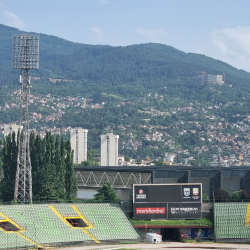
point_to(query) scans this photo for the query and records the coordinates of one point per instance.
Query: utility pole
(25, 56)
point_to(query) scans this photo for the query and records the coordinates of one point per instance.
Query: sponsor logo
(141, 195)
(195, 191)
(186, 191)
(150, 210)
(184, 210)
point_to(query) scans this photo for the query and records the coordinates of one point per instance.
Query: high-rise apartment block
(10, 129)
(109, 150)
(78, 140)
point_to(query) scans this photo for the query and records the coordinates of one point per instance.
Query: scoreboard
(167, 201)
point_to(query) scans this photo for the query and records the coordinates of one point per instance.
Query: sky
(219, 29)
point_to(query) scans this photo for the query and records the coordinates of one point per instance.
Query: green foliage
(1, 154)
(106, 193)
(200, 163)
(122, 72)
(91, 161)
(48, 192)
(205, 198)
(222, 195)
(127, 158)
(236, 195)
(70, 179)
(9, 167)
(198, 222)
(159, 163)
(239, 195)
(53, 175)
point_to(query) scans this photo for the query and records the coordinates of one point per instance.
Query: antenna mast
(25, 56)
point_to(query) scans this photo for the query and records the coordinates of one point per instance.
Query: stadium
(41, 226)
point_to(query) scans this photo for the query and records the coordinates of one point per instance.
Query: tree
(106, 193)
(91, 161)
(159, 163)
(52, 163)
(48, 192)
(222, 195)
(1, 154)
(9, 167)
(35, 163)
(48, 171)
(236, 195)
(60, 168)
(127, 158)
(205, 198)
(239, 195)
(70, 178)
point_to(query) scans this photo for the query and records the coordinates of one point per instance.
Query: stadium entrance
(171, 234)
(76, 222)
(8, 226)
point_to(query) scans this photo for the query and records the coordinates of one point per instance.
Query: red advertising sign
(150, 210)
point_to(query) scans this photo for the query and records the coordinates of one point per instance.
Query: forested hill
(148, 63)
(145, 93)
(116, 70)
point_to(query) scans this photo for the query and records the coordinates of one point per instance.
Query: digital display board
(163, 201)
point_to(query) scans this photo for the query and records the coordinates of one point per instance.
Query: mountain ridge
(126, 71)
(59, 49)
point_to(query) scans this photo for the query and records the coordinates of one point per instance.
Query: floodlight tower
(25, 56)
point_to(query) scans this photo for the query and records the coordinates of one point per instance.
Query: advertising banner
(150, 211)
(163, 201)
(184, 210)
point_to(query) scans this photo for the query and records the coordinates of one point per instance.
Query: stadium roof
(150, 169)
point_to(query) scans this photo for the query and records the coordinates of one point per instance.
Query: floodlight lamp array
(25, 53)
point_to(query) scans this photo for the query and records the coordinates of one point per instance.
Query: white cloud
(153, 34)
(13, 20)
(98, 31)
(232, 42)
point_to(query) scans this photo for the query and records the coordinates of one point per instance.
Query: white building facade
(10, 129)
(79, 140)
(109, 150)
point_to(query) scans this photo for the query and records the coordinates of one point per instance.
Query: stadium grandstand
(42, 226)
(54, 225)
(232, 222)
(231, 219)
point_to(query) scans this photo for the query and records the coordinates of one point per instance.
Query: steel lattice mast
(25, 56)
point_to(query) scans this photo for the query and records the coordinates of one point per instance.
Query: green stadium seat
(229, 221)
(46, 224)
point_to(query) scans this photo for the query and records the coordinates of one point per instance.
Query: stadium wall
(123, 178)
(212, 180)
(179, 233)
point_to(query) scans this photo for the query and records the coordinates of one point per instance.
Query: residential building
(11, 128)
(78, 140)
(109, 150)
